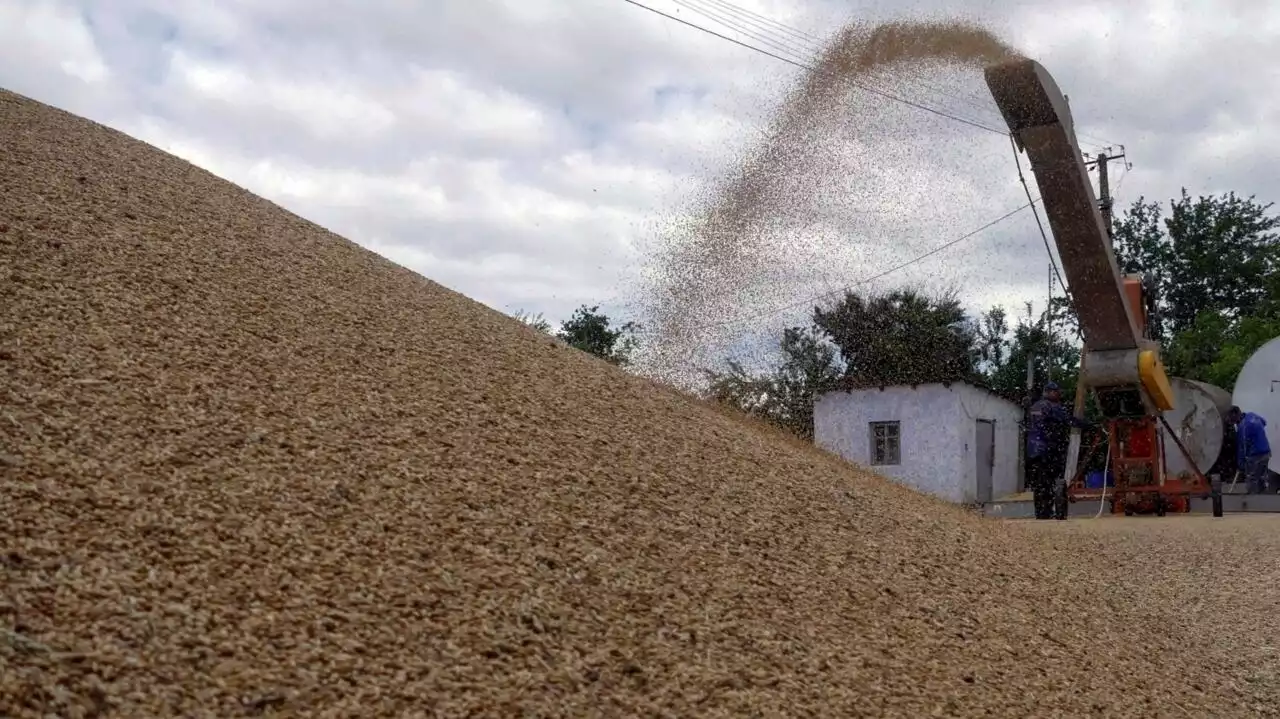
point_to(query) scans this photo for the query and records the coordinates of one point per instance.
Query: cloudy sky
(532, 154)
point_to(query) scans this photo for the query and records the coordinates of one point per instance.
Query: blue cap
(1050, 386)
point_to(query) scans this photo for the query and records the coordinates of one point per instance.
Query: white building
(958, 442)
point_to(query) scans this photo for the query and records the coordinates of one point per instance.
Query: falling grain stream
(733, 238)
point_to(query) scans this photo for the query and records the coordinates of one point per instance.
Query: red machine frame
(1137, 455)
(1142, 484)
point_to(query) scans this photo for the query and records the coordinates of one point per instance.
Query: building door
(985, 446)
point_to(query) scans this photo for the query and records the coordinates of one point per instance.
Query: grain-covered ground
(250, 468)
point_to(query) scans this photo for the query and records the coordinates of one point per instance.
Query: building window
(886, 445)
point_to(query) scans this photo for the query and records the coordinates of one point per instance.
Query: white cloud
(325, 108)
(60, 36)
(446, 100)
(52, 47)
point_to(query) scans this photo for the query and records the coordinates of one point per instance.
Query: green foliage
(1213, 264)
(902, 337)
(589, 330)
(1048, 342)
(810, 365)
(1212, 254)
(1215, 347)
(991, 348)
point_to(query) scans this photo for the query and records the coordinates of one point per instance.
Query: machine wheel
(1217, 504)
(1128, 511)
(1161, 506)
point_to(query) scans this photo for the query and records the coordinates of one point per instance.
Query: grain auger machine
(1120, 364)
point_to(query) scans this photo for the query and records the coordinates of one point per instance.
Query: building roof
(849, 385)
(846, 386)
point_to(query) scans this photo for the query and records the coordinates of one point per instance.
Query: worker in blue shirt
(1048, 434)
(1253, 451)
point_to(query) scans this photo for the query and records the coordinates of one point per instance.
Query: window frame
(891, 441)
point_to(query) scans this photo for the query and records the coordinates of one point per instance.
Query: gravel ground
(249, 468)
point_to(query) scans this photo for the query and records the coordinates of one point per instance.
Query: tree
(1048, 341)
(992, 340)
(538, 322)
(1215, 348)
(589, 330)
(902, 337)
(1212, 254)
(785, 396)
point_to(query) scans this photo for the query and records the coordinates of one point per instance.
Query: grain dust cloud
(710, 266)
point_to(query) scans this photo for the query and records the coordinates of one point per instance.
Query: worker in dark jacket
(1048, 436)
(1253, 451)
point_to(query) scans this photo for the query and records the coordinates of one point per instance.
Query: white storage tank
(1198, 418)
(1258, 390)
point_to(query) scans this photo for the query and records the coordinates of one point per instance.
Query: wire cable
(1043, 235)
(811, 68)
(811, 45)
(757, 19)
(739, 24)
(1106, 468)
(768, 21)
(1123, 176)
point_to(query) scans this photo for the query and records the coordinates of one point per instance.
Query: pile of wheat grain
(251, 468)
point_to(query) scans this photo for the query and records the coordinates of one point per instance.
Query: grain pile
(715, 266)
(250, 468)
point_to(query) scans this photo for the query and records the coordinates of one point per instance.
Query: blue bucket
(1093, 480)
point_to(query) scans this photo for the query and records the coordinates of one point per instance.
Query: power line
(739, 24)
(807, 43)
(1043, 235)
(794, 32)
(810, 68)
(1127, 168)
(880, 275)
(763, 22)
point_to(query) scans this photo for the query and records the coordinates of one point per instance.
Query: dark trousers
(1255, 474)
(1044, 473)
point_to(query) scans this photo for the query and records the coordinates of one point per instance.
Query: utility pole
(1105, 201)
(1105, 204)
(1104, 192)
(1026, 417)
(1026, 408)
(1048, 328)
